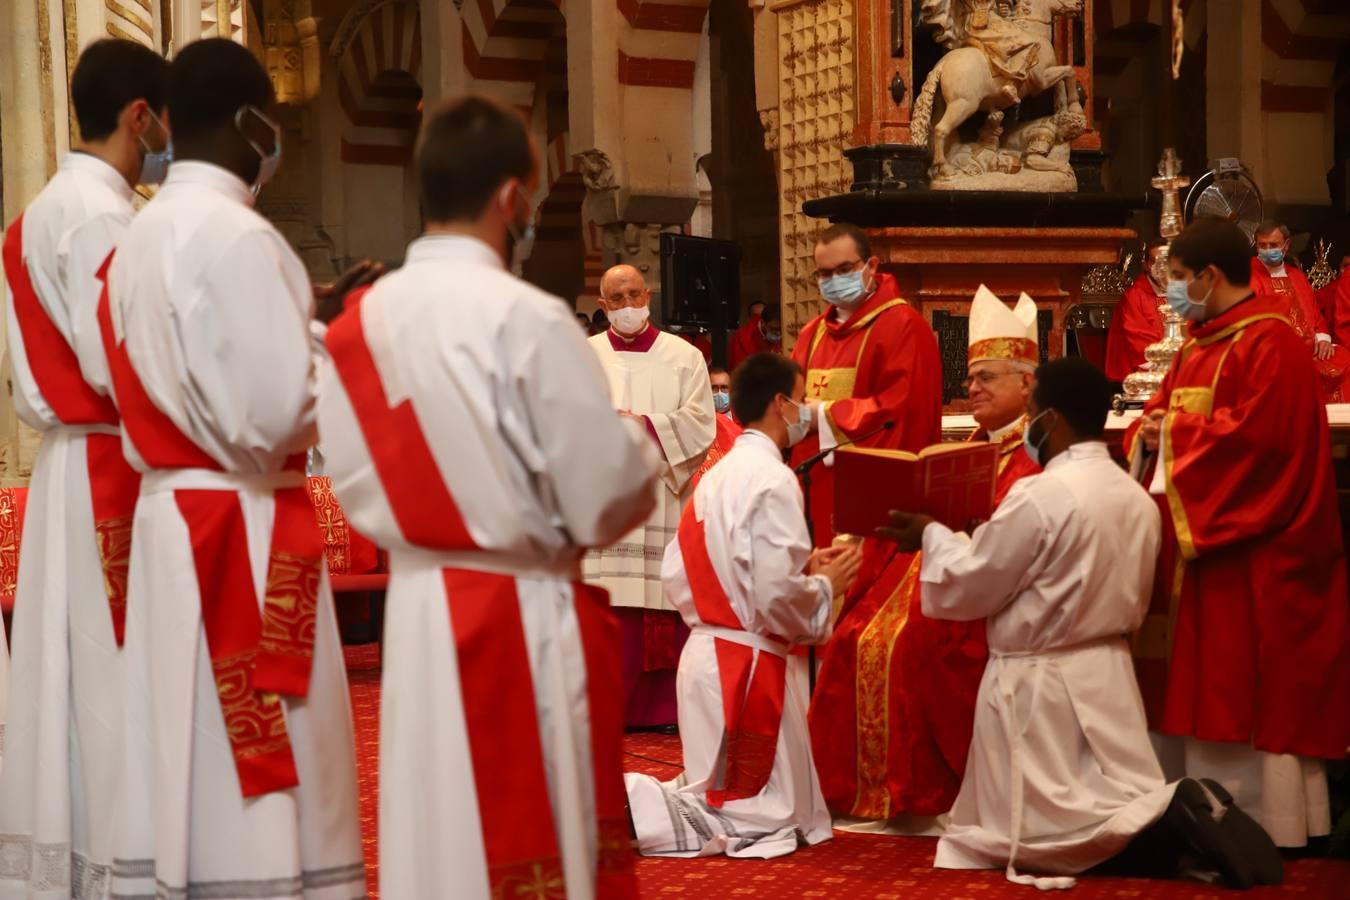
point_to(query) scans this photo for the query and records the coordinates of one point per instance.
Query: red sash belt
(113, 488)
(256, 655)
(500, 711)
(113, 485)
(753, 684)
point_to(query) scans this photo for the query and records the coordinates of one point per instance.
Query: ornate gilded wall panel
(815, 124)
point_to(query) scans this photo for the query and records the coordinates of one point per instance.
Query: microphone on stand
(803, 469)
(809, 463)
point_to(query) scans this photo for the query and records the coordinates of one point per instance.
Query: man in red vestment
(895, 700)
(869, 359)
(1258, 680)
(762, 334)
(1285, 284)
(1136, 322)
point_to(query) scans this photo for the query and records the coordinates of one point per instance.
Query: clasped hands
(838, 564)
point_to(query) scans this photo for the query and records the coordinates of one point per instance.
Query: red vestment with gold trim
(1258, 625)
(1294, 292)
(894, 705)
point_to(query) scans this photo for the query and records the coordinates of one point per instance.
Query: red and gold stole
(497, 691)
(753, 684)
(113, 485)
(256, 655)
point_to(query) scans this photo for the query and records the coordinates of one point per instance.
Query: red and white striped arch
(379, 91)
(506, 44)
(659, 41)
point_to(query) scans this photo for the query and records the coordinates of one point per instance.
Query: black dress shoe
(1238, 849)
(1262, 855)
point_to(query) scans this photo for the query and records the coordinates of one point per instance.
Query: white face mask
(270, 161)
(798, 430)
(629, 319)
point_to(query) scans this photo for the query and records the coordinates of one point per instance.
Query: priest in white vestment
(743, 575)
(61, 746)
(239, 776)
(1062, 775)
(661, 382)
(468, 429)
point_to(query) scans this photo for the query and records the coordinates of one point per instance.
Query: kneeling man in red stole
(892, 713)
(742, 573)
(1258, 677)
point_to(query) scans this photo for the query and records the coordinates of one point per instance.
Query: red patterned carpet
(850, 866)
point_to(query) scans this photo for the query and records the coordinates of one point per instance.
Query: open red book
(953, 483)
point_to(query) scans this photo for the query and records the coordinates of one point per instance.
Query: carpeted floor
(854, 867)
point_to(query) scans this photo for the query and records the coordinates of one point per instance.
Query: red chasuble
(747, 341)
(1299, 305)
(1135, 324)
(1258, 626)
(881, 365)
(894, 705)
(1327, 306)
(1334, 300)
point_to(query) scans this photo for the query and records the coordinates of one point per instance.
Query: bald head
(619, 278)
(625, 299)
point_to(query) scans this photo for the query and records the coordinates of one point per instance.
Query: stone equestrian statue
(1000, 52)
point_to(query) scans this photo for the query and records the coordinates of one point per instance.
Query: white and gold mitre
(997, 332)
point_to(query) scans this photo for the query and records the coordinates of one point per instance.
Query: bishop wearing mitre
(661, 382)
(895, 699)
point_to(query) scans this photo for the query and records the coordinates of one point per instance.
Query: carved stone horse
(970, 82)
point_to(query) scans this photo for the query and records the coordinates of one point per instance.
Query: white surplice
(61, 746)
(1061, 774)
(668, 385)
(752, 510)
(214, 307)
(515, 413)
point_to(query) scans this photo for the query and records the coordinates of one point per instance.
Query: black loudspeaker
(701, 287)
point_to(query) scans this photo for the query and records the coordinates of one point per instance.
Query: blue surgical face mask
(1272, 256)
(798, 430)
(1034, 448)
(155, 166)
(843, 290)
(1179, 298)
(722, 401)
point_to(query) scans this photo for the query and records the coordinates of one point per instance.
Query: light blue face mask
(1179, 298)
(843, 290)
(1271, 257)
(1033, 450)
(722, 402)
(155, 166)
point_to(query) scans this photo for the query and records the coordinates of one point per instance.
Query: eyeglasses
(985, 378)
(632, 298)
(841, 269)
